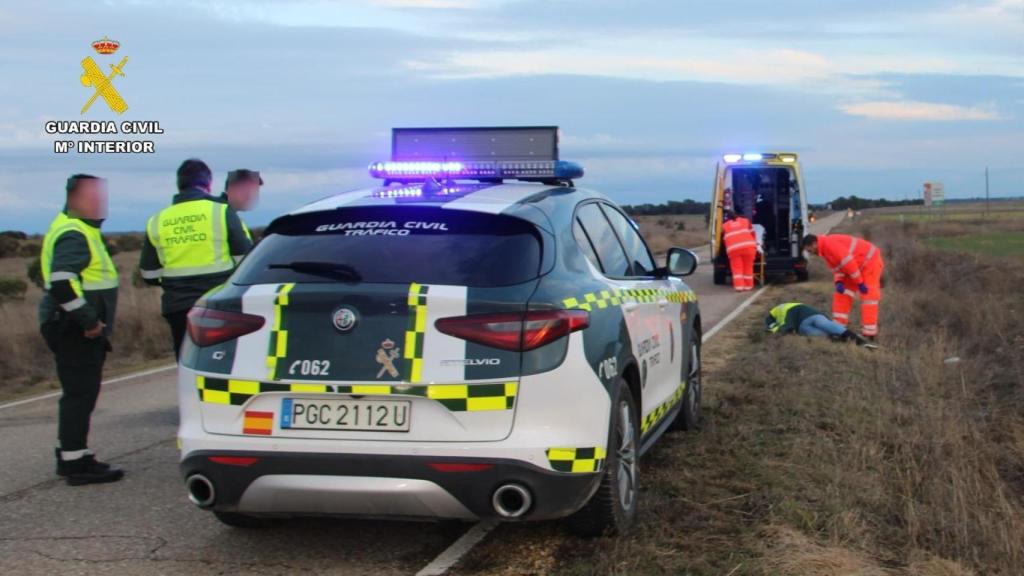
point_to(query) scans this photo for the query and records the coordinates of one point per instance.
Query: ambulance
(768, 189)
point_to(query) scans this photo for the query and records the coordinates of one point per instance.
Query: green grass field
(917, 214)
(998, 244)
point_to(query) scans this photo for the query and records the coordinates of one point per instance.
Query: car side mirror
(681, 262)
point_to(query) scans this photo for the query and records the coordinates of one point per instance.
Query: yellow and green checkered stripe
(576, 459)
(658, 413)
(416, 331)
(278, 347)
(602, 299)
(455, 397)
(237, 392)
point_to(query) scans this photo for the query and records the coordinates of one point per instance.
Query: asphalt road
(145, 525)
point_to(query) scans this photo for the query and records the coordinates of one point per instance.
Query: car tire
(612, 509)
(236, 520)
(689, 412)
(688, 415)
(719, 276)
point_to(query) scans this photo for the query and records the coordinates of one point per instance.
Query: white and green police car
(475, 338)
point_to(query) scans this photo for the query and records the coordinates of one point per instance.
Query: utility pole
(986, 192)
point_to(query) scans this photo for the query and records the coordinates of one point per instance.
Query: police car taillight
(515, 331)
(207, 327)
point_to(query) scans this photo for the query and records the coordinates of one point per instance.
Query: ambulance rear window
(392, 244)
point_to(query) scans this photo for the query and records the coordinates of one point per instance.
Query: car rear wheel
(690, 412)
(719, 276)
(612, 509)
(688, 416)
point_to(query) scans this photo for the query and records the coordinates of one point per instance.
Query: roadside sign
(934, 194)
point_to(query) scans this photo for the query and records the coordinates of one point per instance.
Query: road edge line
(452, 554)
(54, 394)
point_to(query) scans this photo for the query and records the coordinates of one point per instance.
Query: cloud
(436, 4)
(631, 60)
(923, 111)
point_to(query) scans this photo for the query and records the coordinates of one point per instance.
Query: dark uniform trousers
(80, 370)
(178, 321)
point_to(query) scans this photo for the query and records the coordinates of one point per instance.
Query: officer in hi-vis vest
(242, 192)
(191, 246)
(76, 316)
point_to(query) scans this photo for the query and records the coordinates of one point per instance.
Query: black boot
(87, 470)
(62, 467)
(867, 342)
(856, 338)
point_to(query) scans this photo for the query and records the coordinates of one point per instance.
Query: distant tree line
(670, 207)
(856, 203)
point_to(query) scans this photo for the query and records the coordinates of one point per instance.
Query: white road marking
(444, 561)
(732, 315)
(48, 395)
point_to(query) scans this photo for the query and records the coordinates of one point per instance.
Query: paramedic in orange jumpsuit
(856, 267)
(741, 248)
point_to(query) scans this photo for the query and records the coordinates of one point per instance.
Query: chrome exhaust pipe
(512, 500)
(200, 491)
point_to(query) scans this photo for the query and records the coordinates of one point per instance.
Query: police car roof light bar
(485, 153)
(493, 170)
(495, 143)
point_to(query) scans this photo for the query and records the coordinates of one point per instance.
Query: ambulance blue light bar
(481, 170)
(733, 158)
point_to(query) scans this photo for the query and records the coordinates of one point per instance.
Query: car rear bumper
(298, 484)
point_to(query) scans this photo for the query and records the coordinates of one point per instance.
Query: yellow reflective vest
(100, 274)
(191, 238)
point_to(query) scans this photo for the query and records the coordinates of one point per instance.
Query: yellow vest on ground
(100, 274)
(779, 314)
(191, 238)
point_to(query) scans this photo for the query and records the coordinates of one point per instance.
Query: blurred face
(813, 248)
(243, 195)
(89, 200)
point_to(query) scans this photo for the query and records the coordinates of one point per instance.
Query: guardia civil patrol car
(474, 338)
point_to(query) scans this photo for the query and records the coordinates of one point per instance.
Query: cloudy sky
(877, 97)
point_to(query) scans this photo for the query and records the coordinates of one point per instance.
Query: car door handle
(662, 305)
(630, 306)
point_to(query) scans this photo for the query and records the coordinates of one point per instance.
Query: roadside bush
(9, 246)
(12, 289)
(127, 242)
(34, 271)
(16, 234)
(30, 249)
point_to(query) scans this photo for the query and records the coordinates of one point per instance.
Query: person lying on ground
(794, 317)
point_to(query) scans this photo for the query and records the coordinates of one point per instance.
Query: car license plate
(343, 414)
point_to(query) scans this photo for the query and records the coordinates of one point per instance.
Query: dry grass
(26, 366)
(664, 232)
(819, 458)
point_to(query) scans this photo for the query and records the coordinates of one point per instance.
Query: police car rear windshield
(395, 245)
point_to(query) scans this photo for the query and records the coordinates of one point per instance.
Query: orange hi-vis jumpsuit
(854, 261)
(741, 247)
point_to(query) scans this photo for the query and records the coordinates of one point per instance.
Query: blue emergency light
(733, 158)
(503, 153)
